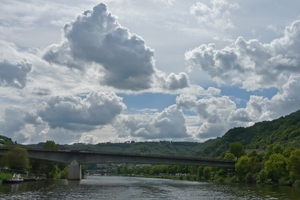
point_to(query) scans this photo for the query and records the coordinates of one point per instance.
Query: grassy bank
(5, 176)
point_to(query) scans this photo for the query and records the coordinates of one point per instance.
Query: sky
(122, 70)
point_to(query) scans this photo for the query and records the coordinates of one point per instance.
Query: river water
(123, 188)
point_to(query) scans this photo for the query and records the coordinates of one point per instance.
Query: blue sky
(119, 70)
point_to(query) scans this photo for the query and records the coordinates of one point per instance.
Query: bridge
(78, 157)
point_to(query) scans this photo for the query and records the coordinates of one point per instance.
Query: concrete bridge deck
(76, 158)
(89, 157)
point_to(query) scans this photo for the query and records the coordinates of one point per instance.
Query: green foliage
(6, 141)
(237, 149)
(17, 158)
(207, 172)
(200, 172)
(229, 156)
(83, 170)
(243, 166)
(262, 176)
(296, 183)
(50, 169)
(5, 176)
(147, 148)
(64, 173)
(293, 164)
(276, 167)
(50, 144)
(284, 131)
(249, 178)
(287, 151)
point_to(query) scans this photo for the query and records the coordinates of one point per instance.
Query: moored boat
(14, 179)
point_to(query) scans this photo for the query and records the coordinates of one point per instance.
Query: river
(123, 188)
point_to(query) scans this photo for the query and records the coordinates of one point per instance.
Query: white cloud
(97, 37)
(97, 52)
(76, 114)
(213, 113)
(88, 139)
(218, 114)
(14, 68)
(217, 15)
(124, 60)
(168, 124)
(63, 117)
(173, 81)
(252, 64)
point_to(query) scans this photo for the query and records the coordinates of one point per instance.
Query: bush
(5, 176)
(249, 178)
(285, 181)
(262, 176)
(269, 181)
(296, 183)
(188, 177)
(234, 179)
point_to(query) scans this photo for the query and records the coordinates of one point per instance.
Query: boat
(33, 178)
(14, 179)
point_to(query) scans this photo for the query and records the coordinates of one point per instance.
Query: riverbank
(25, 178)
(217, 180)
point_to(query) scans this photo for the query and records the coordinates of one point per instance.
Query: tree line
(276, 165)
(16, 160)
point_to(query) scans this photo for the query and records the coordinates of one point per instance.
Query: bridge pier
(74, 171)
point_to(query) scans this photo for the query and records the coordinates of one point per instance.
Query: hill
(284, 131)
(6, 141)
(158, 148)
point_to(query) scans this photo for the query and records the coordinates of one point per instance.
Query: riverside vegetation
(267, 153)
(17, 161)
(276, 165)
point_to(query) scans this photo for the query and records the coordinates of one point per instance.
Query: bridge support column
(74, 171)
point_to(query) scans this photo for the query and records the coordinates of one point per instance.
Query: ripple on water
(123, 188)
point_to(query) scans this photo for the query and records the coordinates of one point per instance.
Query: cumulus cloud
(217, 15)
(14, 67)
(168, 124)
(172, 81)
(15, 121)
(284, 102)
(252, 64)
(63, 117)
(97, 37)
(88, 139)
(212, 112)
(216, 115)
(77, 114)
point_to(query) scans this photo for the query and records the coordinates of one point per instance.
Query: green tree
(262, 176)
(287, 152)
(50, 144)
(273, 149)
(207, 172)
(83, 170)
(293, 164)
(276, 167)
(64, 173)
(229, 156)
(237, 149)
(17, 158)
(243, 166)
(49, 168)
(200, 172)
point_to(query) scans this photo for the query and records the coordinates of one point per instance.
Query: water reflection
(108, 187)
